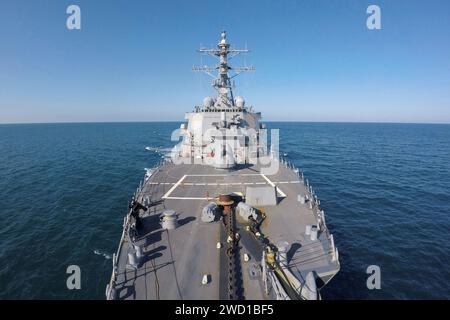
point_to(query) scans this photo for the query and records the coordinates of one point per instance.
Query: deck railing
(138, 195)
(318, 213)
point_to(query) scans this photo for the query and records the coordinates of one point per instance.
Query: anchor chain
(231, 254)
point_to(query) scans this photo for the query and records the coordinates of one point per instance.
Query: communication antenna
(222, 80)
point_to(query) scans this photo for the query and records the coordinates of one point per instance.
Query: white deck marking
(273, 185)
(159, 183)
(221, 184)
(180, 182)
(173, 187)
(187, 198)
(223, 175)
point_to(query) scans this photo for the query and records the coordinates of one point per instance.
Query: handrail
(126, 226)
(317, 211)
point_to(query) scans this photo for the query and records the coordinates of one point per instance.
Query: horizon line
(179, 121)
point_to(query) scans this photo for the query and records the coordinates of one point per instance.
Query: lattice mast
(222, 81)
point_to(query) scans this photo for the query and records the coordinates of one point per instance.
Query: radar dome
(239, 101)
(208, 102)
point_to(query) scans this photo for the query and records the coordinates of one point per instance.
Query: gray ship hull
(174, 262)
(224, 218)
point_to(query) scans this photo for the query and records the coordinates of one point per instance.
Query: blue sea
(385, 189)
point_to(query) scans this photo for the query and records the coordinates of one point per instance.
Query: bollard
(301, 199)
(170, 220)
(139, 251)
(308, 229)
(314, 233)
(132, 258)
(282, 247)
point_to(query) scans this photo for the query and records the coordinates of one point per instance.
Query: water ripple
(64, 190)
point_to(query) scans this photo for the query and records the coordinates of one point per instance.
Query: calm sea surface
(385, 189)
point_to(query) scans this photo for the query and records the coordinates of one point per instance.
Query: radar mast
(222, 81)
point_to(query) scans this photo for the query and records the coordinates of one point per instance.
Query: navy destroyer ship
(223, 216)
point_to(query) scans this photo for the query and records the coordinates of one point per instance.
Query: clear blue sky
(315, 60)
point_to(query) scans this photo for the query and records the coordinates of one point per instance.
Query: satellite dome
(208, 102)
(239, 101)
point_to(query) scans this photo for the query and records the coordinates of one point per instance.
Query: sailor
(135, 208)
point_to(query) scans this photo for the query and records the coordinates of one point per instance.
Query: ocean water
(385, 189)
